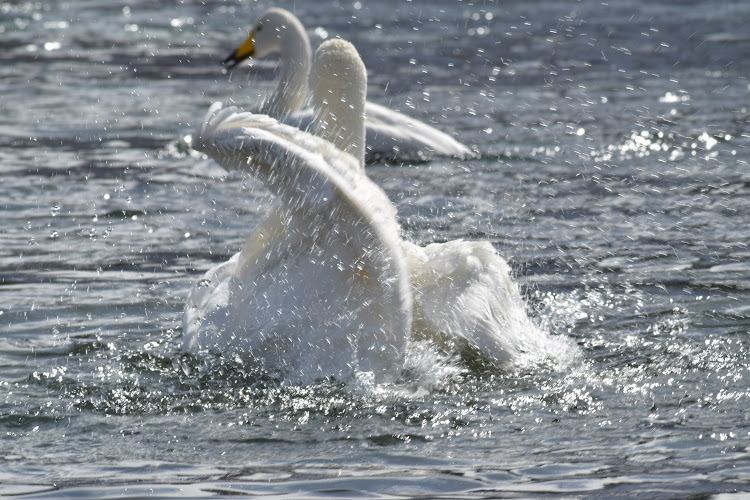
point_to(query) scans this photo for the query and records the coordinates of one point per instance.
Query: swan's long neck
(296, 58)
(339, 90)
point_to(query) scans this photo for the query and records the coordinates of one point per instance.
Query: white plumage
(325, 286)
(321, 287)
(390, 135)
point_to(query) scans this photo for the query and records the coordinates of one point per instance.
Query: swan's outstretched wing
(462, 290)
(253, 143)
(321, 288)
(239, 140)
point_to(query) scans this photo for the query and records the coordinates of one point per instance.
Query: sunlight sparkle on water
(612, 177)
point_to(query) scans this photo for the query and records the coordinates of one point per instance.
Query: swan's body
(325, 286)
(321, 287)
(390, 135)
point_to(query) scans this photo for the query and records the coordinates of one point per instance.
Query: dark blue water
(614, 178)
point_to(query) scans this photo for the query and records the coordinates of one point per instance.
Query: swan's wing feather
(393, 134)
(336, 269)
(302, 119)
(225, 136)
(463, 290)
(239, 140)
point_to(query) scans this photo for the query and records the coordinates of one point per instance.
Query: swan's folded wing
(391, 133)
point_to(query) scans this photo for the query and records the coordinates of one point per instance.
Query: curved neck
(296, 59)
(339, 94)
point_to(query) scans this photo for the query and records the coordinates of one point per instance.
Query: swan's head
(339, 90)
(274, 31)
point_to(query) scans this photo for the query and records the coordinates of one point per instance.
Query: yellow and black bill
(247, 49)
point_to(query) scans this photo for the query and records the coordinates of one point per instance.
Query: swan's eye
(260, 27)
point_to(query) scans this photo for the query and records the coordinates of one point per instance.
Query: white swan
(390, 135)
(321, 287)
(325, 286)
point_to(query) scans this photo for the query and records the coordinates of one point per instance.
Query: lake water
(613, 177)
